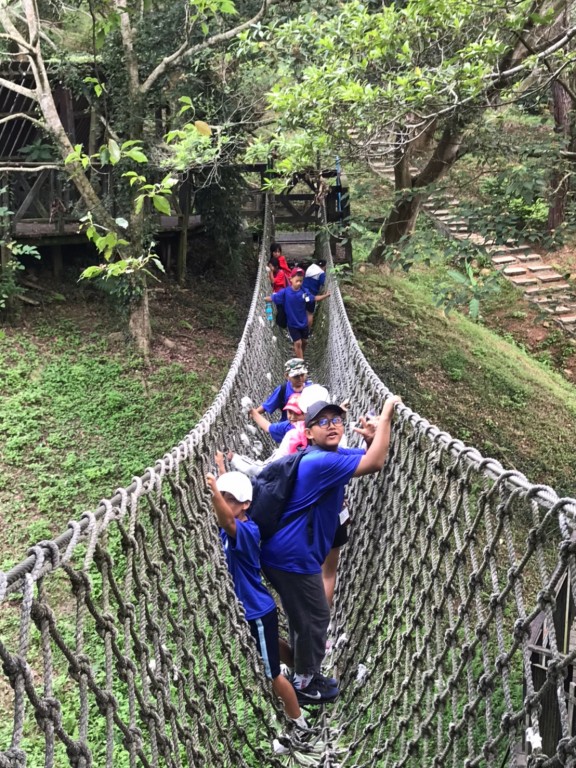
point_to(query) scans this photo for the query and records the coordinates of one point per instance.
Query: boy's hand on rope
(211, 483)
(368, 423)
(219, 459)
(367, 427)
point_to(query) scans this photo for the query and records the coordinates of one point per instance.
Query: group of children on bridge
(300, 558)
(295, 293)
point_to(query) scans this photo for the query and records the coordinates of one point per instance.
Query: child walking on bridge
(231, 499)
(295, 301)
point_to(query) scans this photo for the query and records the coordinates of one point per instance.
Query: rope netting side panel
(446, 586)
(128, 646)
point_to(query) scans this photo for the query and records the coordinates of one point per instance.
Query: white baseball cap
(312, 394)
(236, 484)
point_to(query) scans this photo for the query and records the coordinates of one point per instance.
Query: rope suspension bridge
(130, 649)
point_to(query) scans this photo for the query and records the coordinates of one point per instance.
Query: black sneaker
(325, 682)
(315, 693)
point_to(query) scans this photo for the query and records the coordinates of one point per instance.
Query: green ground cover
(464, 377)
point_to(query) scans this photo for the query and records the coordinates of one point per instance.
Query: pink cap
(292, 404)
(296, 272)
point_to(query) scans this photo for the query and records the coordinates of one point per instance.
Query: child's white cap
(236, 484)
(312, 394)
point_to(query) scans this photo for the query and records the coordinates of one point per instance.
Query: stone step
(524, 256)
(500, 260)
(501, 250)
(511, 271)
(546, 288)
(537, 267)
(562, 309)
(524, 280)
(567, 319)
(475, 238)
(549, 277)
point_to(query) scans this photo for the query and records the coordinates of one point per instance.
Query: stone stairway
(525, 269)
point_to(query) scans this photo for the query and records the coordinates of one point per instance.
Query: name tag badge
(344, 514)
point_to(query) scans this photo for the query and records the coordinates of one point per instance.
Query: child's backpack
(271, 491)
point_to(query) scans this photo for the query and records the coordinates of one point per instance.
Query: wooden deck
(43, 232)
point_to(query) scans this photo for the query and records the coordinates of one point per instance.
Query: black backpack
(271, 491)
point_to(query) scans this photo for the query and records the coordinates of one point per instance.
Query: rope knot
(42, 612)
(81, 668)
(48, 710)
(485, 684)
(546, 598)
(77, 753)
(14, 667)
(106, 625)
(13, 758)
(521, 631)
(566, 748)
(567, 548)
(555, 671)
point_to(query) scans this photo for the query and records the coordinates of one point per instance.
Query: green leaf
(161, 204)
(115, 153)
(137, 155)
(90, 272)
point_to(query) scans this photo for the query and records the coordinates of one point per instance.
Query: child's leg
(286, 653)
(284, 689)
(329, 569)
(298, 348)
(265, 631)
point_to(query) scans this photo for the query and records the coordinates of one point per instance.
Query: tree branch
(210, 42)
(24, 116)
(128, 43)
(24, 169)
(21, 89)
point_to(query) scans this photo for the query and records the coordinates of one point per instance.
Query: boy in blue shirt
(296, 375)
(292, 558)
(231, 499)
(295, 300)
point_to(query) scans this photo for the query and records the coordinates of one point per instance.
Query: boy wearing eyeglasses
(292, 558)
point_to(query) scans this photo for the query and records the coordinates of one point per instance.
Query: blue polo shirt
(294, 303)
(243, 560)
(279, 428)
(275, 401)
(321, 481)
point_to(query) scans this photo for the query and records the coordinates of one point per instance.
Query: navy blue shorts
(265, 631)
(298, 333)
(310, 307)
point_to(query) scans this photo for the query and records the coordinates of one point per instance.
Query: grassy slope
(465, 378)
(80, 415)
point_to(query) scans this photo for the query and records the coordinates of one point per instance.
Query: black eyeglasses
(325, 422)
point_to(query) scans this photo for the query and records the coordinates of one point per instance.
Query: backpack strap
(282, 393)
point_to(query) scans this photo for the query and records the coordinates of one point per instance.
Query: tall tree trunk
(139, 323)
(560, 181)
(411, 190)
